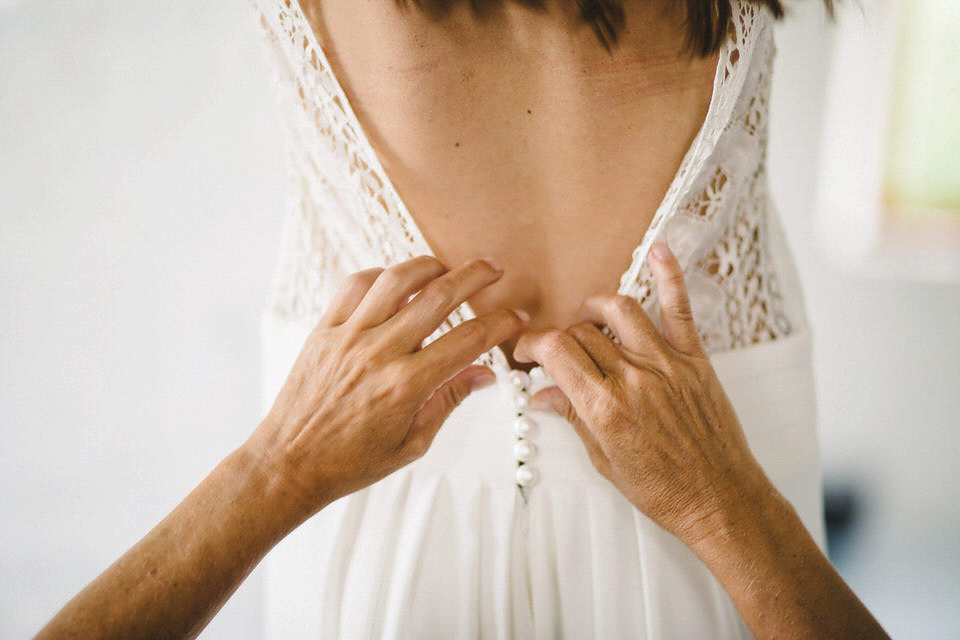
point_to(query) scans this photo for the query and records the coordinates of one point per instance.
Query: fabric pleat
(449, 547)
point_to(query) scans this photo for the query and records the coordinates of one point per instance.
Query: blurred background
(141, 196)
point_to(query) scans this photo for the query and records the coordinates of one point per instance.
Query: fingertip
(666, 270)
(523, 315)
(586, 310)
(484, 378)
(519, 351)
(661, 252)
(547, 399)
(540, 402)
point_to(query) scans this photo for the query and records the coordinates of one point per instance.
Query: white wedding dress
(504, 529)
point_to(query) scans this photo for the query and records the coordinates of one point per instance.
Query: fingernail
(539, 404)
(482, 380)
(660, 251)
(523, 314)
(495, 264)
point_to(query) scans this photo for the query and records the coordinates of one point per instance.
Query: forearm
(776, 575)
(172, 582)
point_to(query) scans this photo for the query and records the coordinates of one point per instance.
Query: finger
(421, 316)
(441, 404)
(392, 287)
(601, 349)
(463, 344)
(676, 315)
(564, 359)
(348, 295)
(554, 399)
(626, 318)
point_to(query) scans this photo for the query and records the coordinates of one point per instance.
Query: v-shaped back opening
(728, 70)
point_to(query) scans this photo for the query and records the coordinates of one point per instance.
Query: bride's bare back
(518, 136)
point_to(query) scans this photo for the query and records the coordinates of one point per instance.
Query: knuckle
(607, 408)
(554, 342)
(440, 293)
(357, 281)
(475, 332)
(581, 328)
(431, 263)
(398, 377)
(391, 277)
(620, 305)
(369, 368)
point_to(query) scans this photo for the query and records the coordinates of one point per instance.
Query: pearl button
(521, 400)
(523, 426)
(520, 379)
(526, 476)
(537, 373)
(523, 450)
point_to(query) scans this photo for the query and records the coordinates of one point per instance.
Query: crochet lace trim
(345, 215)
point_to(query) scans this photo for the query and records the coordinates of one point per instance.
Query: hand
(650, 411)
(363, 399)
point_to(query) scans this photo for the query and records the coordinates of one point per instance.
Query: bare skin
(517, 135)
(657, 423)
(363, 390)
(651, 413)
(362, 400)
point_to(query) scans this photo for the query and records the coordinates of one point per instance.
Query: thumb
(675, 313)
(554, 399)
(447, 397)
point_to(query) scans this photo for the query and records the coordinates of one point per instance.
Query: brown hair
(707, 21)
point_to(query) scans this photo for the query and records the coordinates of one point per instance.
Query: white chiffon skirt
(449, 547)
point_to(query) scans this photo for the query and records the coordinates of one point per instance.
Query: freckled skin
(362, 400)
(555, 197)
(518, 136)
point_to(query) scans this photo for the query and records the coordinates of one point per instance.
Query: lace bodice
(504, 528)
(344, 214)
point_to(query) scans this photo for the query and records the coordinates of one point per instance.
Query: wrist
(778, 578)
(267, 485)
(754, 541)
(749, 514)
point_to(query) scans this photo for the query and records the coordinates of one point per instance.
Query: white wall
(888, 370)
(141, 186)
